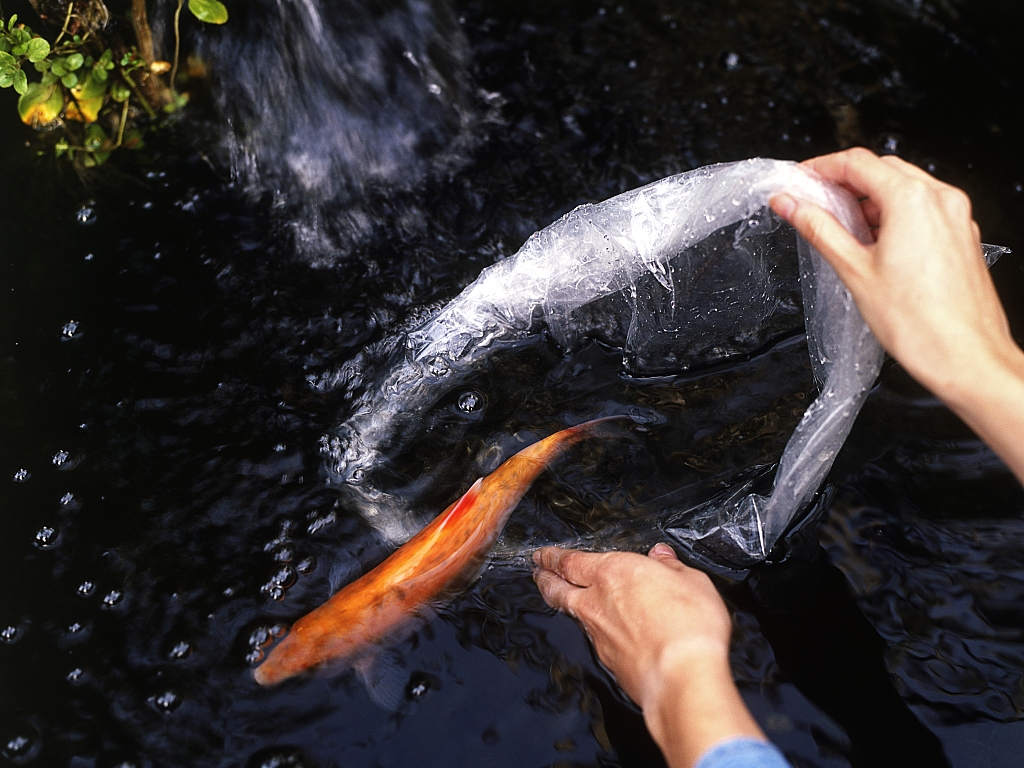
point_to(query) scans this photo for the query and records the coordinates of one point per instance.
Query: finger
(579, 568)
(556, 591)
(901, 165)
(872, 213)
(663, 553)
(861, 171)
(976, 230)
(822, 230)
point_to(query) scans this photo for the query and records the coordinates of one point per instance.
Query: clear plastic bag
(683, 272)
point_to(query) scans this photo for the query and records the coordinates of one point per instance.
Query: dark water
(175, 345)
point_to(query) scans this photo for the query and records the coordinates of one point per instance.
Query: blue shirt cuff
(743, 752)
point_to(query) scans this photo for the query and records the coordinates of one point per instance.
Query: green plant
(95, 91)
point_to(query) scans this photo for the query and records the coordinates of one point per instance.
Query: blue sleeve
(743, 752)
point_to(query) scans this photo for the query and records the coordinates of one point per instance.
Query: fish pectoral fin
(385, 676)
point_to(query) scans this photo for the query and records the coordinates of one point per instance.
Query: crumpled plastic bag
(689, 271)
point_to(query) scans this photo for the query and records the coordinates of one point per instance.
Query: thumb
(663, 553)
(822, 230)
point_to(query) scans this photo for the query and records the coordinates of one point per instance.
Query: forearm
(695, 707)
(988, 395)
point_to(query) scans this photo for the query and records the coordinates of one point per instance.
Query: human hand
(923, 288)
(663, 631)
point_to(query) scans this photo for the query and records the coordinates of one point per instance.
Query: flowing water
(182, 333)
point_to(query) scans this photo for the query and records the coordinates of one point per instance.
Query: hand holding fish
(377, 609)
(662, 629)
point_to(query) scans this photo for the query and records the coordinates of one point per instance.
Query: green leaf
(6, 60)
(107, 57)
(5, 44)
(59, 68)
(75, 61)
(19, 49)
(40, 104)
(61, 147)
(99, 74)
(20, 82)
(210, 11)
(39, 49)
(10, 24)
(120, 93)
(6, 79)
(42, 66)
(95, 137)
(70, 80)
(49, 78)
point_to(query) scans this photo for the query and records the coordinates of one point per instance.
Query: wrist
(989, 396)
(694, 703)
(972, 379)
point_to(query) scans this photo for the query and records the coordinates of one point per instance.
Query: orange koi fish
(371, 611)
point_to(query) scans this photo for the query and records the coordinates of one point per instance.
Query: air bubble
(470, 402)
(180, 650)
(86, 588)
(69, 330)
(278, 757)
(21, 747)
(278, 583)
(74, 675)
(322, 522)
(306, 565)
(9, 634)
(167, 702)
(420, 684)
(46, 536)
(22, 475)
(438, 366)
(66, 499)
(86, 214)
(60, 458)
(261, 637)
(112, 598)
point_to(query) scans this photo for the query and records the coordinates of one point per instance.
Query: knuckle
(860, 154)
(956, 201)
(916, 190)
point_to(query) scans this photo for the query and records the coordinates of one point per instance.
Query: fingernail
(662, 549)
(536, 556)
(784, 205)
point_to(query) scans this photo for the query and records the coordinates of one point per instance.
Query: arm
(923, 289)
(663, 630)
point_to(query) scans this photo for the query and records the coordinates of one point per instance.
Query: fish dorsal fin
(466, 502)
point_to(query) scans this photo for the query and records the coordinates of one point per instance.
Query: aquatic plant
(96, 91)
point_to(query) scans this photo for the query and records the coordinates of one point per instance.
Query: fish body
(363, 616)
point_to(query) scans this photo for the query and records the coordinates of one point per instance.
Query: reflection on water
(165, 515)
